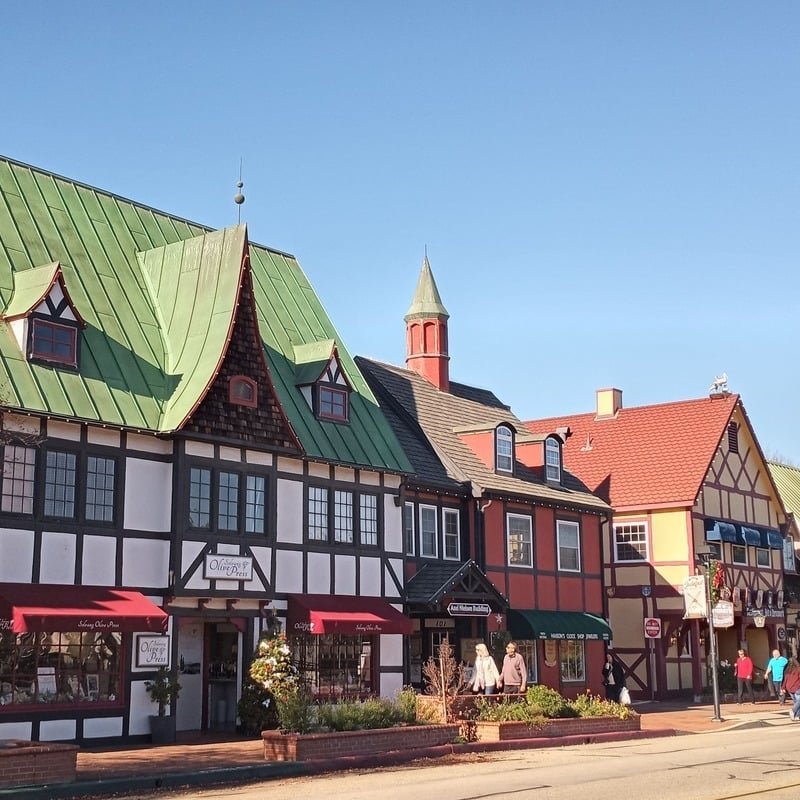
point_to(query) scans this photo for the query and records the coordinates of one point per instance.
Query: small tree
(445, 678)
(163, 689)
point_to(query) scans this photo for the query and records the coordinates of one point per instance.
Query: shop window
(334, 666)
(762, 558)
(520, 540)
(59, 484)
(630, 541)
(569, 546)
(573, 664)
(527, 649)
(739, 554)
(54, 342)
(243, 391)
(451, 534)
(19, 474)
(68, 668)
(408, 529)
(552, 459)
(428, 532)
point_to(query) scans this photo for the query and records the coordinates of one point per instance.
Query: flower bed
(24, 763)
(336, 744)
(578, 726)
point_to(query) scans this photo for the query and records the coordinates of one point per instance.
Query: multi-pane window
(332, 404)
(228, 502)
(59, 484)
(739, 554)
(19, 467)
(630, 541)
(317, 514)
(504, 449)
(569, 546)
(573, 666)
(53, 342)
(527, 649)
(552, 460)
(343, 517)
(100, 489)
(199, 497)
(428, 532)
(368, 509)
(789, 562)
(520, 540)
(408, 529)
(255, 503)
(762, 558)
(451, 534)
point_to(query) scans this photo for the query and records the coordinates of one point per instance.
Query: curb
(293, 769)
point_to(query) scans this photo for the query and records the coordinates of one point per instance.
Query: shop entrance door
(222, 643)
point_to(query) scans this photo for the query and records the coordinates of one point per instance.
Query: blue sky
(609, 191)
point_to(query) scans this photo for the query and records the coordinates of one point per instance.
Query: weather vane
(239, 197)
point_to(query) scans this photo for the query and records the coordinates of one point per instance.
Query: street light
(705, 557)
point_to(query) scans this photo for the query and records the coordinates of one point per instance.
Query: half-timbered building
(498, 536)
(687, 481)
(190, 458)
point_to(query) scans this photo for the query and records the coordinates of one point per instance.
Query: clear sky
(609, 191)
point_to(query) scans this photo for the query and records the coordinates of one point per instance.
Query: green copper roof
(30, 288)
(787, 482)
(426, 301)
(311, 359)
(158, 296)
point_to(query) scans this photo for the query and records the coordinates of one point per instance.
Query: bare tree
(444, 677)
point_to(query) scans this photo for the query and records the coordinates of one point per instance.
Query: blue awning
(751, 536)
(719, 531)
(774, 540)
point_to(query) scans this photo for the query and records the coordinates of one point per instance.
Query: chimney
(426, 332)
(609, 403)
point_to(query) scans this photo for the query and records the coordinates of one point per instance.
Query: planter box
(312, 746)
(25, 763)
(552, 728)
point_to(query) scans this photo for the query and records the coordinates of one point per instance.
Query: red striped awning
(48, 607)
(318, 614)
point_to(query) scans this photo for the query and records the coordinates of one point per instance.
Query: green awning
(566, 625)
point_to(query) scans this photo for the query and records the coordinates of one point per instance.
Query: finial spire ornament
(239, 197)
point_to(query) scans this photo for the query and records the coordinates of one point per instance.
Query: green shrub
(589, 705)
(406, 702)
(257, 709)
(296, 712)
(508, 711)
(356, 715)
(551, 703)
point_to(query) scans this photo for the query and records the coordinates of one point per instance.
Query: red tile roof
(648, 456)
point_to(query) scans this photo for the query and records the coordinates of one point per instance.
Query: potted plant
(163, 689)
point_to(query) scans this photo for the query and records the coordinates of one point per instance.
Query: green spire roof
(159, 297)
(426, 302)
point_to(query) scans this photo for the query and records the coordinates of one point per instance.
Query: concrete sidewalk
(203, 761)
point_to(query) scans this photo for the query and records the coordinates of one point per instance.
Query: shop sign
(694, 597)
(765, 612)
(550, 652)
(98, 625)
(469, 609)
(439, 622)
(228, 568)
(722, 614)
(652, 627)
(152, 651)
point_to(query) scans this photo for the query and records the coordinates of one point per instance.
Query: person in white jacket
(485, 676)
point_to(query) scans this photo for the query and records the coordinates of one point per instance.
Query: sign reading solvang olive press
(152, 651)
(228, 568)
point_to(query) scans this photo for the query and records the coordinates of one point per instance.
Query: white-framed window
(451, 534)
(715, 549)
(739, 554)
(504, 449)
(527, 649)
(573, 662)
(408, 529)
(789, 564)
(428, 532)
(519, 530)
(552, 459)
(630, 541)
(762, 558)
(368, 519)
(569, 545)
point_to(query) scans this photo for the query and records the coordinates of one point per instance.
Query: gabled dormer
(43, 317)
(495, 445)
(323, 382)
(544, 453)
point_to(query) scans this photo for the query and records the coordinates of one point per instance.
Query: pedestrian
(743, 670)
(514, 674)
(774, 674)
(485, 677)
(613, 678)
(791, 686)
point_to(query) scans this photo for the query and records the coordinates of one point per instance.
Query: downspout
(480, 543)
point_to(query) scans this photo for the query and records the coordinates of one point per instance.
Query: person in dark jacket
(613, 678)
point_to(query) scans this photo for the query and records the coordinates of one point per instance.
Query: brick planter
(313, 746)
(32, 763)
(552, 728)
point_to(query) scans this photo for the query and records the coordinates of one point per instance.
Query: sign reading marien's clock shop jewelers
(469, 609)
(228, 568)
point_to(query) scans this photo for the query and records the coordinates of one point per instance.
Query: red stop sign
(652, 627)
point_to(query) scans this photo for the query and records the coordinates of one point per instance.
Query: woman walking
(486, 677)
(791, 685)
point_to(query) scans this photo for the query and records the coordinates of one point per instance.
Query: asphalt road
(762, 761)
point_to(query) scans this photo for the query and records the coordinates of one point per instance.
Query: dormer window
(504, 449)
(332, 403)
(243, 391)
(552, 459)
(53, 341)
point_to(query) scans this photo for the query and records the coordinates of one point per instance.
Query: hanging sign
(722, 614)
(550, 652)
(694, 597)
(469, 609)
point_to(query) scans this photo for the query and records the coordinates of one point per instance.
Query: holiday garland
(715, 575)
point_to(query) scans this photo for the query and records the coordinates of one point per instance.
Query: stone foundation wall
(32, 763)
(578, 726)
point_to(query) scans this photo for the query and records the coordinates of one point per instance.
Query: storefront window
(333, 665)
(59, 668)
(572, 661)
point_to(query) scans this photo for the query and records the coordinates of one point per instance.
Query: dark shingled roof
(436, 579)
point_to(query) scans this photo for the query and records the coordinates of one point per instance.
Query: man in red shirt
(743, 669)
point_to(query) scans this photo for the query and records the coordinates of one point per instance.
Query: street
(758, 761)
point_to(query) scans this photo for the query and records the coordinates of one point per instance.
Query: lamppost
(705, 557)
